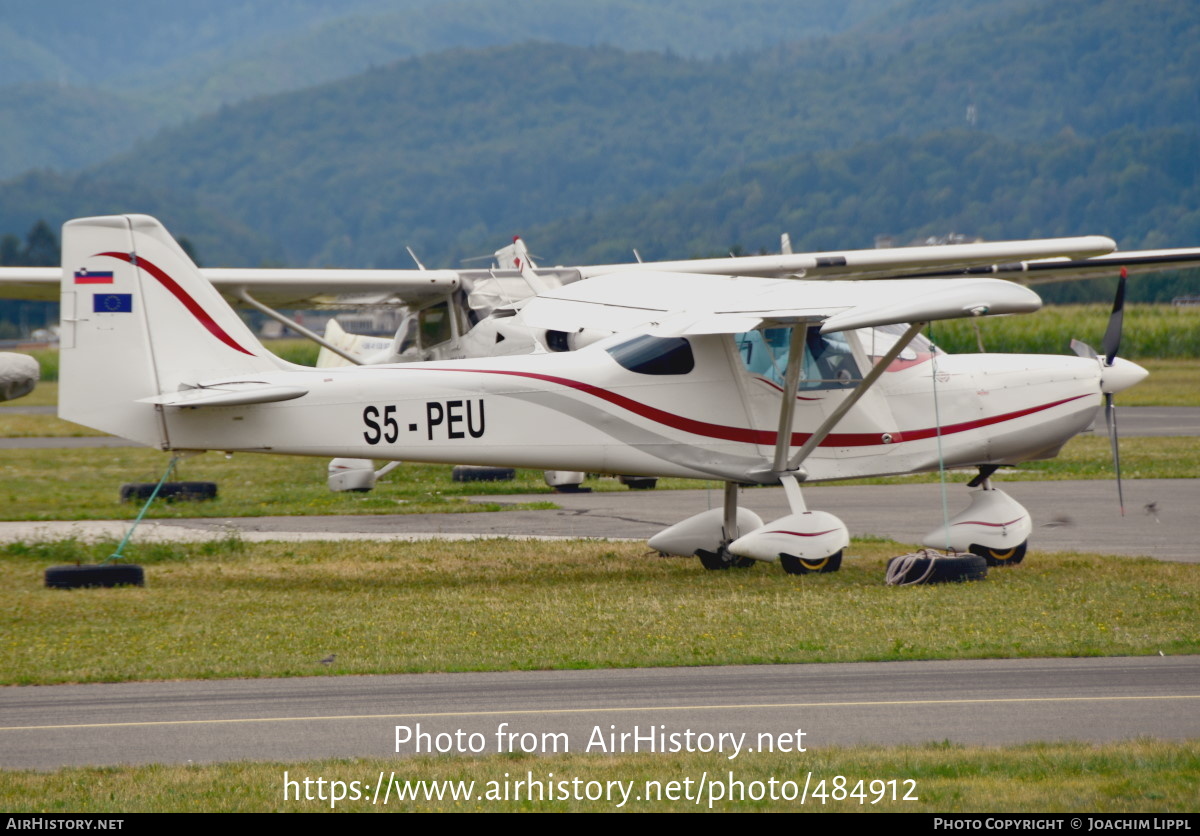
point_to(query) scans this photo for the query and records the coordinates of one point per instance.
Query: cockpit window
(877, 341)
(828, 360)
(435, 324)
(655, 355)
(406, 334)
(765, 352)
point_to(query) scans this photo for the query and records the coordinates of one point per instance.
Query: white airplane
(742, 379)
(455, 314)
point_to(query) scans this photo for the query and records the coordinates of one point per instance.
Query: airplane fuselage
(586, 411)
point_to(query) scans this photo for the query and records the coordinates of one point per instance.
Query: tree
(41, 247)
(10, 251)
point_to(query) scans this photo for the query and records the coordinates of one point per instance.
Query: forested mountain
(1000, 118)
(174, 61)
(1140, 187)
(56, 198)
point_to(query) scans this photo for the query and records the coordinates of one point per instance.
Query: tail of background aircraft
(139, 321)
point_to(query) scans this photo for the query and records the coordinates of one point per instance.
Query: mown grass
(45, 394)
(1086, 457)
(1171, 383)
(229, 609)
(84, 484)
(15, 425)
(1141, 776)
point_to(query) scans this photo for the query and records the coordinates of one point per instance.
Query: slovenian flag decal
(112, 303)
(86, 276)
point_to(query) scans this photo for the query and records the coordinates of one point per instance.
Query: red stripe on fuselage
(801, 533)
(779, 388)
(182, 295)
(990, 524)
(749, 436)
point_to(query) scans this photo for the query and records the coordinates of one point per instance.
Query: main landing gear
(994, 526)
(802, 542)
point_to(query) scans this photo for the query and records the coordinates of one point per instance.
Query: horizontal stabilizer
(228, 394)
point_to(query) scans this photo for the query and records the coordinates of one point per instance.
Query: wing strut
(791, 384)
(783, 440)
(241, 293)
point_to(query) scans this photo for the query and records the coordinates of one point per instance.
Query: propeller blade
(1082, 349)
(1110, 418)
(1112, 334)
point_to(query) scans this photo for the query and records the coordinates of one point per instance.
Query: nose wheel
(801, 566)
(1000, 557)
(723, 559)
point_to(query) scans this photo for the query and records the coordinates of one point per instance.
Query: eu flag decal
(112, 303)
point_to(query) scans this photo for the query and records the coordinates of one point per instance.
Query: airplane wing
(1027, 262)
(288, 288)
(1072, 269)
(35, 284)
(888, 263)
(680, 304)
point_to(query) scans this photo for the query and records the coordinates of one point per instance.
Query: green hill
(905, 123)
(179, 61)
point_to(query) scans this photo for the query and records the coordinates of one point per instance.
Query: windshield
(828, 359)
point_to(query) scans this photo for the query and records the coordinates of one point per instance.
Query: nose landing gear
(994, 526)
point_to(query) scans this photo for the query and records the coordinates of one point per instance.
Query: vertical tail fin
(138, 320)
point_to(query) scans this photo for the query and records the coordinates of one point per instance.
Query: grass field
(228, 609)
(84, 484)
(1151, 331)
(1140, 776)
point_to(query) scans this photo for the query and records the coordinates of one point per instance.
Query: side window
(828, 359)
(828, 362)
(435, 324)
(765, 352)
(655, 355)
(877, 341)
(406, 334)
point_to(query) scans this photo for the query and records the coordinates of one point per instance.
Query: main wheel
(473, 473)
(799, 566)
(104, 575)
(1001, 557)
(722, 559)
(639, 483)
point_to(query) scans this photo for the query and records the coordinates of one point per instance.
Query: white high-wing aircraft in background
(427, 332)
(742, 379)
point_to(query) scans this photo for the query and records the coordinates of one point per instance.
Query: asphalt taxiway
(1159, 522)
(987, 702)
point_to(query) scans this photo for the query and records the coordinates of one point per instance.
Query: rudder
(138, 320)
